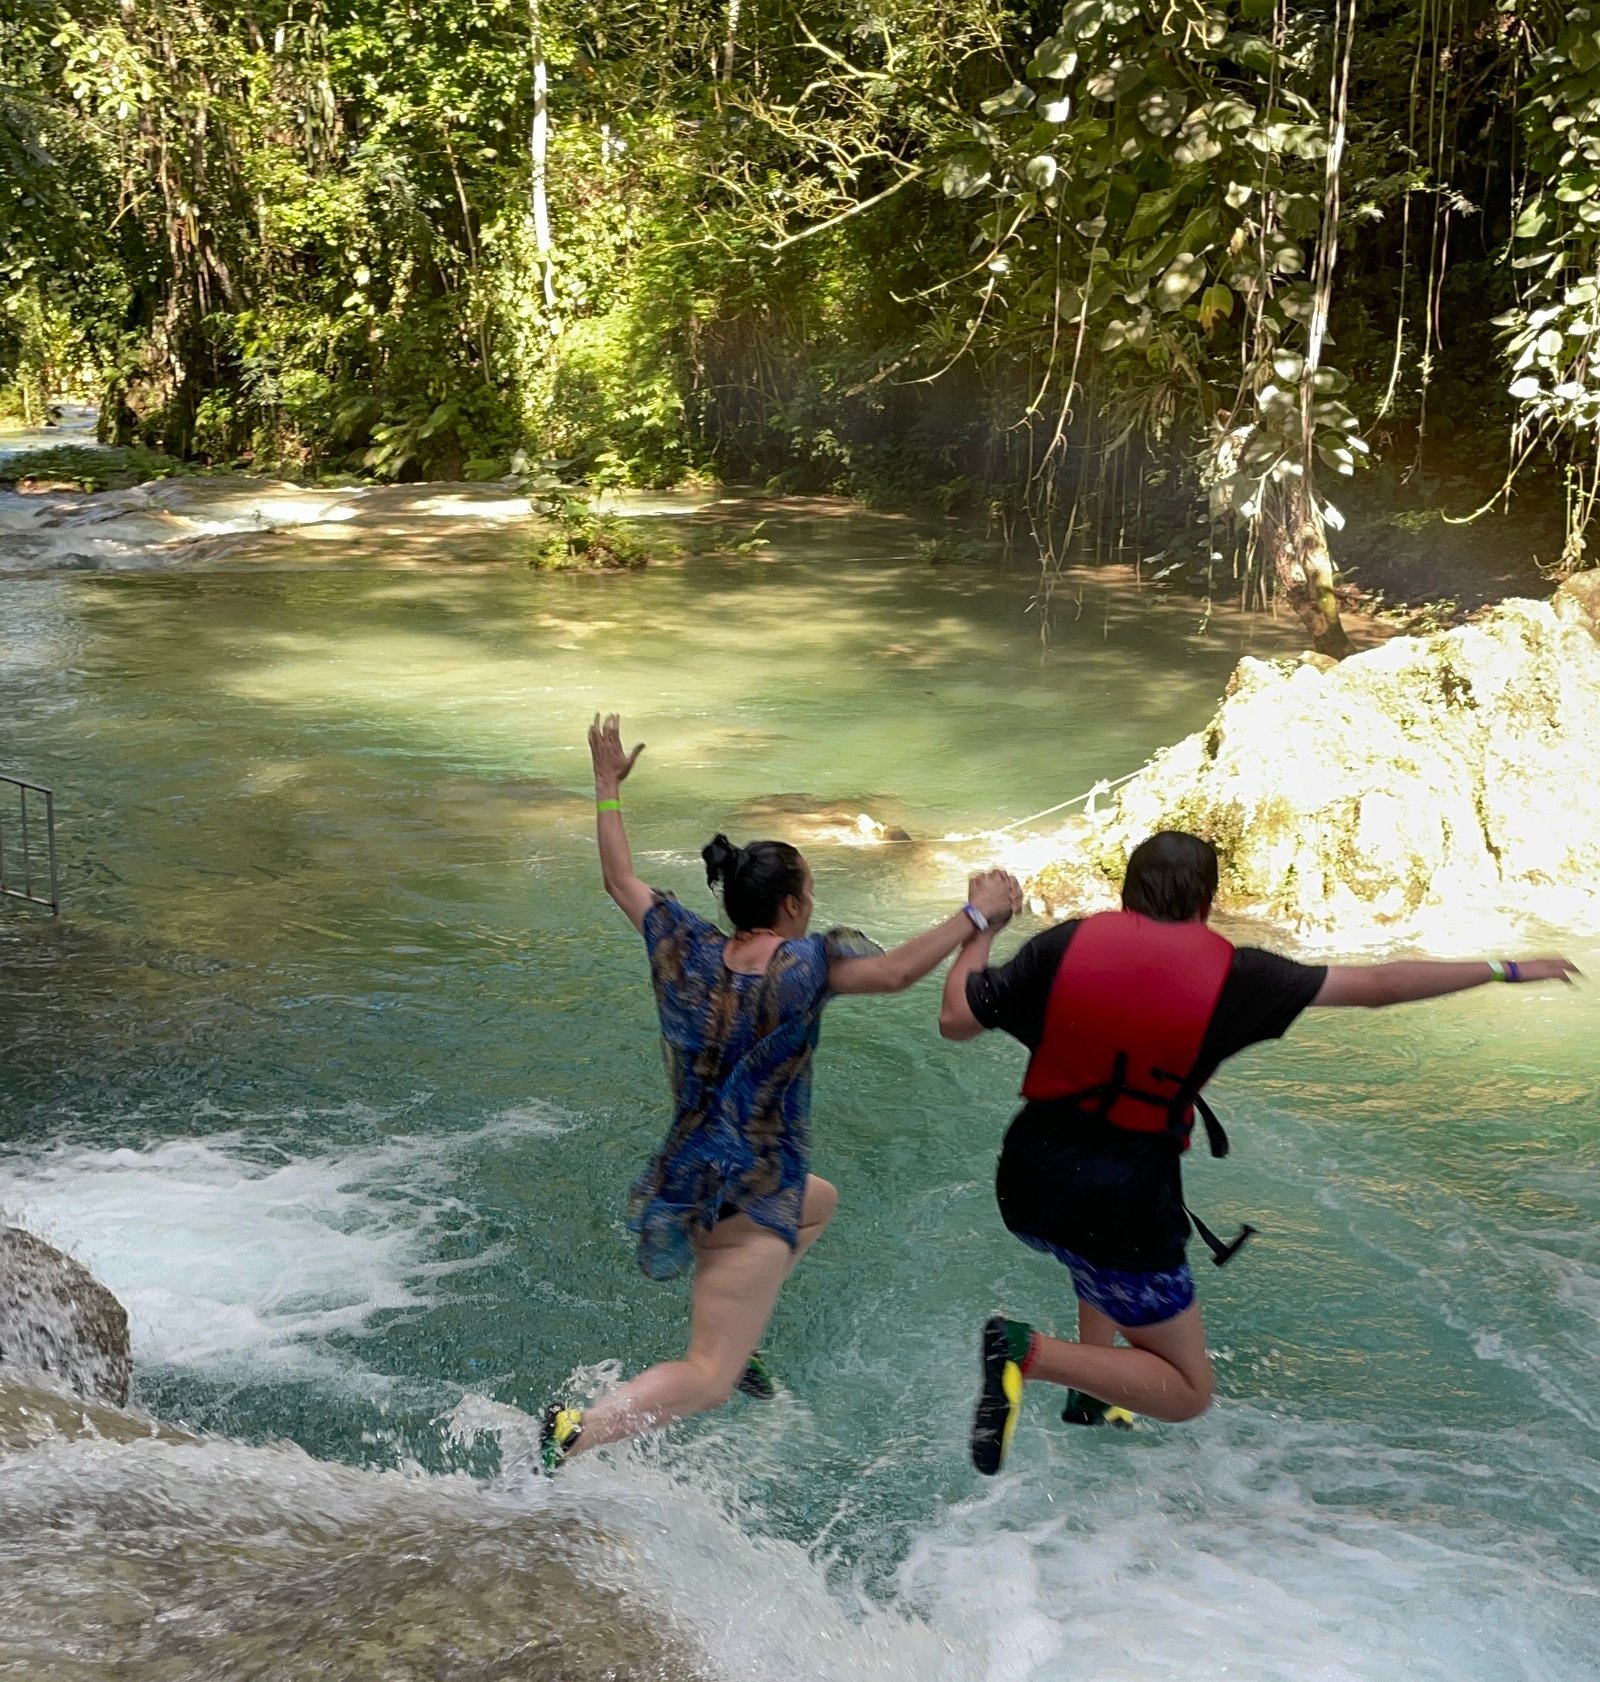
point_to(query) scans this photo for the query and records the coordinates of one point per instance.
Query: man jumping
(1127, 1015)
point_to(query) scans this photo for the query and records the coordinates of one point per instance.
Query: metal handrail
(25, 892)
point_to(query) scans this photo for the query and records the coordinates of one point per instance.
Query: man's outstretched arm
(1399, 983)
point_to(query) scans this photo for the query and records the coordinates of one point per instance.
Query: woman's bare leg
(739, 1270)
(1166, 1374)
(820, 1206)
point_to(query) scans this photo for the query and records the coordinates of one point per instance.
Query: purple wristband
(1513, 971)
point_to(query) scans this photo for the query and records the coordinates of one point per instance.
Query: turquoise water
(340, 1063)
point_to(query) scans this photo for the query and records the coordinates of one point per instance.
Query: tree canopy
(1215, 256)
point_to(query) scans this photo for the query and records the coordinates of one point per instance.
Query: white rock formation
(1403, 791)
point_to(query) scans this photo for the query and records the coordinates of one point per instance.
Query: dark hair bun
(722, 859)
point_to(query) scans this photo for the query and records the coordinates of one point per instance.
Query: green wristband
(608, 805)
(1496, 968)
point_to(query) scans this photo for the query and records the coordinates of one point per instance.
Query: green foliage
(747, 542)
(1553, 331)
(586, 540)
(965, 253)
(86, 469)
(1151, 192)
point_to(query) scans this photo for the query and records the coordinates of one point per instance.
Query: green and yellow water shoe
(560, 1429)
(1090, 1410)
(756, 1380)
(1002, 1349)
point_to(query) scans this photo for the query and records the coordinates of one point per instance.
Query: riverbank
(1410, 557)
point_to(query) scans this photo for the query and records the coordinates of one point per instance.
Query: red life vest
(1127, 1015)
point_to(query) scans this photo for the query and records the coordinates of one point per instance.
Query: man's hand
(1546, 969)
(611, 763)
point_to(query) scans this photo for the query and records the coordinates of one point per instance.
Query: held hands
(612, 762)
(997, 894)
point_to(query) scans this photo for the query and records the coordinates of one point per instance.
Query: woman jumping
(730, 1194)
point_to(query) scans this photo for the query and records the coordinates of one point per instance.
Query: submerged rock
(57, 1319)
(805, 820)
(34, 1413)
(1376, 795)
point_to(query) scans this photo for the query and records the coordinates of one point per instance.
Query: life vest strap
(1221, 1254)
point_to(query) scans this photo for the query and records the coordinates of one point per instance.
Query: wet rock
(158, 1562)
(804, 820)
(1579, 598)
(1376, 797)
(33, 1414)
(57, 1319)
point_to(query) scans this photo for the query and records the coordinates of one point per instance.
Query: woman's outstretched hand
(611, 762)
(997, 894)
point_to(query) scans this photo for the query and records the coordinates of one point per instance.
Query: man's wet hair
(1171, 877)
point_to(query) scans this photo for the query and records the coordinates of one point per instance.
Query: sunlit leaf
(1014, 100)
(1530, 222)
(966, 173)
(1161, 110)
(1041, 171)
(1336, 455)
(1055, 59)
(1185, 275)
(1216, 304)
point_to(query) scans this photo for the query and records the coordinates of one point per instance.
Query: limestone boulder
(1372, 796)
(58, 1320)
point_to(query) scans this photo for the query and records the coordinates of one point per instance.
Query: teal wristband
(608, 805)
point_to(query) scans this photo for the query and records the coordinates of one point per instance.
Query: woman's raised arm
(611, 768)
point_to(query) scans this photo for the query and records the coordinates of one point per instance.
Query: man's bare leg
(1164, 1374)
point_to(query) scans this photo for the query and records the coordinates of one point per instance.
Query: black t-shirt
(1109, 1194)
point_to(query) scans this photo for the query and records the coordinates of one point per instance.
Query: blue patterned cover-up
(738, 1050)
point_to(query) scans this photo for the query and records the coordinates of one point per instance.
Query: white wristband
(979, 921)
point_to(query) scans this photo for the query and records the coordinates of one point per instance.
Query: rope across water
(1087, 798)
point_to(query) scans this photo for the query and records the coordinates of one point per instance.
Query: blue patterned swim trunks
(1126, 1297)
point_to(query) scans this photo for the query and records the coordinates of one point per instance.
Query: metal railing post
(25, 892)
(50, 836)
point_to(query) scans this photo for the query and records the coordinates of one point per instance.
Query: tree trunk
(732, 40)
(1298, 546)
(539, 151)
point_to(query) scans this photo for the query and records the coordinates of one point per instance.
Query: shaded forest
(1119, 270)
